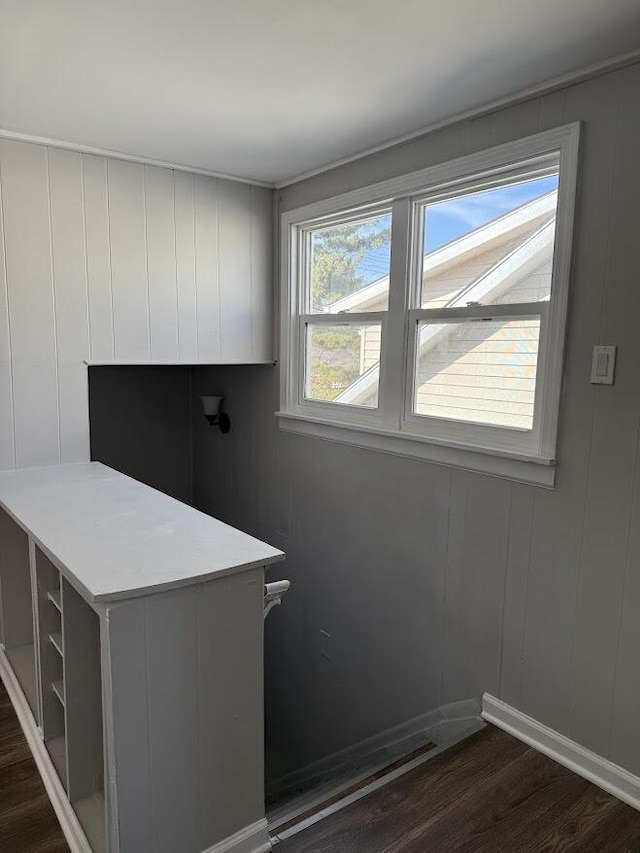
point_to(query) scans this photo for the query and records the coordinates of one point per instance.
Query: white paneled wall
(107, 261)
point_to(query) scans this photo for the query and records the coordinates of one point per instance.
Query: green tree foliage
(337, 253)
(335, 361)
(337, 338)
(328, 382)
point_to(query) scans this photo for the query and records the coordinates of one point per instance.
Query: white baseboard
(251, 839)
(603, 773)
(69, 823)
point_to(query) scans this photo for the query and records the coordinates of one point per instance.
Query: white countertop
(115, 538)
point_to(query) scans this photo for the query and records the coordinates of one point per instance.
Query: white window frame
(527, 456)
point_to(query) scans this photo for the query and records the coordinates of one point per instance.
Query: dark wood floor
(490, 793)
(27, 821)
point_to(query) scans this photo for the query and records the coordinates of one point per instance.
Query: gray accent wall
(436, 584)
(140, 424)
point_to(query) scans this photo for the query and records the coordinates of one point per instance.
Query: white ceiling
(267, 89)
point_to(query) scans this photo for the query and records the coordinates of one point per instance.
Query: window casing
(416, 410)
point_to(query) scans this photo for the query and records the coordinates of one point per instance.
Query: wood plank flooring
(27, 821)
(489, 794)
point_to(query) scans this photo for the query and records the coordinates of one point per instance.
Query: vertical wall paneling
(625, 744)
(161, 262)
(70, 286)
(515, 594)
(505, 125)
(262, 247)
(235, 256)
(611, 463)
(551, 110)
(138, 416)
(186, 266)
(7, 436)
(207, 267)
(25, 206)
(107, 261)
(128, 261)
(98, 253)
(540, 597)
(475, 585)
(558, 522)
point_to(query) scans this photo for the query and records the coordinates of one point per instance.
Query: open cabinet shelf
(83, 713)
(56, 641)
(58, 689)
(54, 597)
(57, 749)
(51, 638)
(91, 814)
(69, 652)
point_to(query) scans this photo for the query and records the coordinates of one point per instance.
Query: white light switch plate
(603, 365)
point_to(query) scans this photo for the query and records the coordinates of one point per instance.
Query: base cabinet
(145, 713)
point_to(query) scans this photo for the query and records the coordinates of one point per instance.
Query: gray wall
(140, 424)
(437, 584)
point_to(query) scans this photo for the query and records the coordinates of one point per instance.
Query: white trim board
(252, 839)
(591, 766)
(69, 823)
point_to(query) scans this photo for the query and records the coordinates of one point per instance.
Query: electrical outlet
(325, 645)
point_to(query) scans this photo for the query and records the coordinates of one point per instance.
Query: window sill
(495, 463)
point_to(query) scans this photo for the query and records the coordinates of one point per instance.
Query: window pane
(494, 246)
(481, 371)
(349, 266)
(343, 364)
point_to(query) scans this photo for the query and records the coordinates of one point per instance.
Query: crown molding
(131, 158)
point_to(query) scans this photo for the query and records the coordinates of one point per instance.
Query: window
(426, 315)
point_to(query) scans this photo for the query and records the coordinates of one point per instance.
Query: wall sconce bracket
(221, 420)
(211, 408)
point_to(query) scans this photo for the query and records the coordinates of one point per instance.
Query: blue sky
(450, 219)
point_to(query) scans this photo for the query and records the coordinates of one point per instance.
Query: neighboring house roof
(525, 241)
(454, 253)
